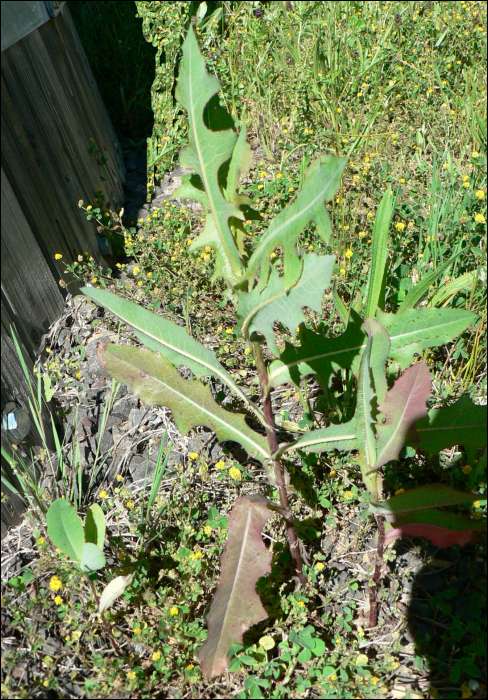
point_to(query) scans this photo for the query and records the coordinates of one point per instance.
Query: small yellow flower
(193, 455)
(136, 270)
(235, 474)
(45, 683)
(399, 491)
(301, 604)
(41, 540)
(480, 219)
(137, 630)
(247, 351)
(174, 611)
(342, 271)
(58, 256)
(402, 180)
(228, 331)
(58, 600)
(129, 504)
(466, 184)
(332, 472)
(267, 642)
(375, 680)
(348, 495)
(89, 207)
(399, 226)
(291, 189)
(333, 677)
(279, 175)
(220, 464)
(55, 583)
(116, 490)
(156, 656)
(477, 504)
(349, 254)
(339, 110)
(475, 154)
(207, 530)
(467, 469)
(196, 555)
(119, 477)
(361, 234)
(319, 566)
(94, 280)
(190, 667)
(131, 675)
(480, 194)
(102, 494)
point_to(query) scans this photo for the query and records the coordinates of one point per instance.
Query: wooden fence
(52, 114)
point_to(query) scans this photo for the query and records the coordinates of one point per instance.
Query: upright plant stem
(373, 589)
(278, 467)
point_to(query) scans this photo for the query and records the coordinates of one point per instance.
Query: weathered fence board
(52, 113)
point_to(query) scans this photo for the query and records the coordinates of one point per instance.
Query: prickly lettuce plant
(377, 347)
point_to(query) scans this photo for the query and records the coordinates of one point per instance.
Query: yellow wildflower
(207, 530)
(174, 611)
(480, 219)
(136, 270)
(348, 495)
(399, 226)
(220, 464)
(301, 604)
(58, 600)
(342, 270)
(55, 583)
(156, 656)
(349, 254)
(102, 494)
(58, 256)
(131, 675)
(319, 566)
(129, 504)
(480, 194)
(235, 474)
(193, 455)
(41, 540)
(190, 667)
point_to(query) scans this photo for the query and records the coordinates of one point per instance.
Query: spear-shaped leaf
(321, 182)
(441, 527)
(371, 371)
(338, 436)
(236, 605)
(208, 150)
(463, 423)
(257, 310)
(172, 341)
(157, 382)
(404, 405)
(421, 498)
(410, 333)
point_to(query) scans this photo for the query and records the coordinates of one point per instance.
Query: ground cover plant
(319, 652)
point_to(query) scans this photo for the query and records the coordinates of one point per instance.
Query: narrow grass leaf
(379, 253)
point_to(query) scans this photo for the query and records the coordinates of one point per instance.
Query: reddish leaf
(404, 405)
(236, 605)
(442, 528)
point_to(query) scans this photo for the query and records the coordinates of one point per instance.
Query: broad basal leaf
(172, 341)
(258, 310)
(95, 525)
(463, 423)
(404, 405)
(420, 498)
(341, 436)
(442, 528)
(157, 382)
(208, 150)
(236, 605)
(321, 182)
(92, 558)
(65, 528)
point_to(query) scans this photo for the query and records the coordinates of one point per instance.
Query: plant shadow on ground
(446, 613)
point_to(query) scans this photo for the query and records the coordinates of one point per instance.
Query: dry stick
(373, 589)
(278, 467)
